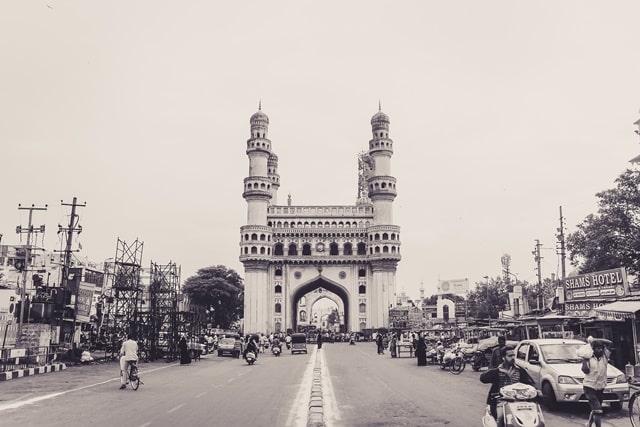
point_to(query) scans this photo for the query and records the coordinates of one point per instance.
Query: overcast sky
(501, 112)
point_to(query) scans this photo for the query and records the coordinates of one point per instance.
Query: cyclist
(128, 353)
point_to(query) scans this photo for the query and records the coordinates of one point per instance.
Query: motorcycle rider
(506, 373)
(251, 346)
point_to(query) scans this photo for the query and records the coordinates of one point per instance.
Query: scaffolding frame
(125, 297)
(164, 292)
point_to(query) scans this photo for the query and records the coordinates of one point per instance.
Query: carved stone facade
(288, 251)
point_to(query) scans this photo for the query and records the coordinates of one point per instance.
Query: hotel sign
(600, 284)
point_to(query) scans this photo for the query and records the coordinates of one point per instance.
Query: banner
(84, 302)
(459, 286)
(600, 284)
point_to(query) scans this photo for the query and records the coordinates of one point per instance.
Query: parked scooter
(517, 407)
(250, 357)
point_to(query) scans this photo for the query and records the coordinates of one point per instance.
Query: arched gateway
(294, 256)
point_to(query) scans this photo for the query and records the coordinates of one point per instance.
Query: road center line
(176, 408)
(299, 411)
(198, 396)
(330, 406)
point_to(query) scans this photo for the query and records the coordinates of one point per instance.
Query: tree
(218, 288)
(610, 238)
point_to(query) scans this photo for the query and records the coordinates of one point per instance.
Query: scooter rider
(506, 373)
(251, 346)
(276, 344)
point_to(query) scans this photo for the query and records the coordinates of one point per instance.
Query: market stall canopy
(624, 309)
(486, 344)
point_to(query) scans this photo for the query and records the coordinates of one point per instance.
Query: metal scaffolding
(164, 292)
(124, 299)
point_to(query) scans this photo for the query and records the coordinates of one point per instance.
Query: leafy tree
(218, 288)
(610, 238)
(536, 295)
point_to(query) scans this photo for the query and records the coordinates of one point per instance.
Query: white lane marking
(145, 424)
(198, 396)
(176, 408)
(299, 412)
(15, 405)
(329, 401)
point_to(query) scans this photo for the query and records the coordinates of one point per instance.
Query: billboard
(458, 286)
(599, 284)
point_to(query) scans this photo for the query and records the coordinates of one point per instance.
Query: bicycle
(634, 406)
(133, 375)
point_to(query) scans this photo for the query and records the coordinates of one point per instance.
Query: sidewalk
(19, 373)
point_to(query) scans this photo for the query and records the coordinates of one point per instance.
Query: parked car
(555, 368)
(230, 347)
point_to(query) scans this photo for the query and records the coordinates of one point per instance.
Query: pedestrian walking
(319, 340)
(421, 351)
(393, 345)
(379, 343)
(595, 379)
(185, 358)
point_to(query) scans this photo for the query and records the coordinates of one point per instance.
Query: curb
(19, 373)
(315, 417)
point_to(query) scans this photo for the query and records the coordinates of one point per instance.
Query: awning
(619, 310)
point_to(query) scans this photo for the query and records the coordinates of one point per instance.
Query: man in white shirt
(595, 379)
(128, 353)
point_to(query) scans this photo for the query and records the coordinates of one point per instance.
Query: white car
(555, 368)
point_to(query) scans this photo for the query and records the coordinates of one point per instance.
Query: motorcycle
(250, 357)
(479, 361)
(453, 360)
(517, 407)
(276, 350)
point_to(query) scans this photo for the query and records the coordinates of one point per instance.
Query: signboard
(458, 286)
(84, 302)
(608, 283)
(396, 316)
(17, 352)
(582, 308)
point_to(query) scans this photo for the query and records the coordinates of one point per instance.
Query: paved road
(212, 391)
(360, 388)
(373, 390)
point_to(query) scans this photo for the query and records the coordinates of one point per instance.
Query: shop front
(621, 318)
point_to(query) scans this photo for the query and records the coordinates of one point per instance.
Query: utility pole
(538, 259)
(72, 228)
(27, 257)
(563, 256)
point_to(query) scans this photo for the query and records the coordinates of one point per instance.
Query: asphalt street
(359, 388)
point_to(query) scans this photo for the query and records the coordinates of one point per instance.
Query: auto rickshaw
(298, 343)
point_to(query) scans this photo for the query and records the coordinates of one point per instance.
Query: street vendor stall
(624, 312)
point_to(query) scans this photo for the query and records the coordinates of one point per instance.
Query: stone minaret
(384, 236)
(260, 187)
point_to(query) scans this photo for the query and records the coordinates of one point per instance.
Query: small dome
(258, 117)
(379, 117)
